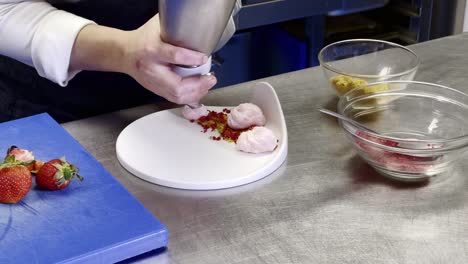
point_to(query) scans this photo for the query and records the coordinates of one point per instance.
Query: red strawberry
(385, 142)
(394, 160)
(56, 174)
(15, 180)
(36, 166)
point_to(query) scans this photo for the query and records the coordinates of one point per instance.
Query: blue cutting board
(94, 221)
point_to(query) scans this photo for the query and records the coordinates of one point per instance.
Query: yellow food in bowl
(343, 84)
(375, 88)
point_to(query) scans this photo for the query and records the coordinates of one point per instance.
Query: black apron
(23, 92)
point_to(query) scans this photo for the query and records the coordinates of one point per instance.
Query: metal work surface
(324, 205)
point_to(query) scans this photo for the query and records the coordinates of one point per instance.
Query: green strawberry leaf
(8, 162)
(10, 159)
(60, 182)
(67, 174)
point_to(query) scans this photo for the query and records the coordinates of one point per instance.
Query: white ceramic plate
(166, 149)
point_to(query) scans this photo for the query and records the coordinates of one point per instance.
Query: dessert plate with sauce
(165, 149)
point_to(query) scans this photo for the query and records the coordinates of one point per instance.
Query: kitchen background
(279, 36)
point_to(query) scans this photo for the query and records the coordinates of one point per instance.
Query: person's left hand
(144, 56)
(151, 61)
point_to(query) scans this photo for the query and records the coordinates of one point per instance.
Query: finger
(181, 56)
(195, 97)
(162, 76)
(192, 89)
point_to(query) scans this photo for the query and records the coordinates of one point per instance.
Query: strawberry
(26, 156)
(15, 180)
(20, 154)
(56, 174)
(36, 166)
(385, 142)
(394, 160)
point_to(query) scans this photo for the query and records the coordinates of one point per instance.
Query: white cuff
(52, 45)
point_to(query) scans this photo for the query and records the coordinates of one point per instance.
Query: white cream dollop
(21, 154)
(246, 115)
(194, 113)
(257, 140)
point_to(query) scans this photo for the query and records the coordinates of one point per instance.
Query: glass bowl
(357, 62)
(422, 128)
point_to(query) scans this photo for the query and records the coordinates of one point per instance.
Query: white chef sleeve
(39, 35)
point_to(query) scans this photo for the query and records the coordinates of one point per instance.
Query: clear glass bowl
(422, 128)
(357, 62)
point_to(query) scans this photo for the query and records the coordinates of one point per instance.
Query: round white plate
(166, 149)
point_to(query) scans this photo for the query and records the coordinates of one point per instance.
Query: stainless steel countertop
(324, 205)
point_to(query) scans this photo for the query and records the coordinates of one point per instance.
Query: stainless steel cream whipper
(197, 25)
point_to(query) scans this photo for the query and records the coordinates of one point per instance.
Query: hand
(144, 56)
(151, 60)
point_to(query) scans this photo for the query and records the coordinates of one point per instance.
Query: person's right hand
(150, 60)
